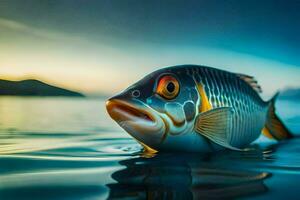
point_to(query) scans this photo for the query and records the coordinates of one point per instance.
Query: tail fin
(274, 127)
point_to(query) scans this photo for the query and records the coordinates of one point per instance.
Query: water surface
(68, 148)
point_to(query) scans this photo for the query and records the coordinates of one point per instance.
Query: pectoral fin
(215, 125)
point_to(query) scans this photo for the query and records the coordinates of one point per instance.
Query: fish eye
(168, 87)
(135, 93)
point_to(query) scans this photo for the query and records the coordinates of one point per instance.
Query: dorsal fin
(251, 81)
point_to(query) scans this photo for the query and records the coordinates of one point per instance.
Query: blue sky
(103, 46)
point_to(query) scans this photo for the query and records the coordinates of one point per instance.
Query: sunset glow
(94, 58)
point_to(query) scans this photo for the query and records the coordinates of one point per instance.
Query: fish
(195, 108)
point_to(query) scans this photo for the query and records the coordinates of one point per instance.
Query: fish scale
(237, 94)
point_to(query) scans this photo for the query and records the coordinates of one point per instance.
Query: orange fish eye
(168, 87)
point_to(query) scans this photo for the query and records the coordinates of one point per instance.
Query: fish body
(195, 108)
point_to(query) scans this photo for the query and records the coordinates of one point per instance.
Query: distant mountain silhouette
(33, 87)
(290, 93)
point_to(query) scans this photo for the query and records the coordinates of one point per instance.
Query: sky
(103, 46)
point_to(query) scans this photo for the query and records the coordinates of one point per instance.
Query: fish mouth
(139, 120)
(121, 110)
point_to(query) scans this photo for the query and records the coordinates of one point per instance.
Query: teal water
(68, 148)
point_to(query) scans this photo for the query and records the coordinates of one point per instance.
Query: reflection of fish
(183, 177)
(195, 108)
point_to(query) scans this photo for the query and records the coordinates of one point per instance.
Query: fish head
(162, 103)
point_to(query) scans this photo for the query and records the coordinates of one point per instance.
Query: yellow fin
(205, 104)
(148, 149)
(267, 133)
(274, 125)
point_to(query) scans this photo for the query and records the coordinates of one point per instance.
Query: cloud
(23, 28)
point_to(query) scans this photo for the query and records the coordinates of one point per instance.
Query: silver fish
(195, 108)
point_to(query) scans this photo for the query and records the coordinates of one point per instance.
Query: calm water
(68, 148)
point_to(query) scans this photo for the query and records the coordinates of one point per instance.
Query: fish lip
(121, 110)
(138, 120)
